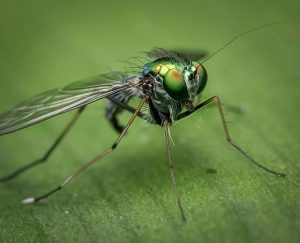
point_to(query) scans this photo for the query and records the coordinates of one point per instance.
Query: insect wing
(58, 101)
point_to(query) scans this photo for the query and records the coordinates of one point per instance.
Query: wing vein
(58, 101)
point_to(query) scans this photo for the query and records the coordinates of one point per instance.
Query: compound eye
(175, 85)
(202, 78)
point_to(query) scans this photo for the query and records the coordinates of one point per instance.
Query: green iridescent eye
(175, 85)
(201, 71)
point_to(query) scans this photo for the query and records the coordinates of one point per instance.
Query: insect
(168, 85)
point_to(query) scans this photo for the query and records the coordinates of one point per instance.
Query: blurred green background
(127, 197)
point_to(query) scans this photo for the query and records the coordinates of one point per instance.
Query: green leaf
(128, 197)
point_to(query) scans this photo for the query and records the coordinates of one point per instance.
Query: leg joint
(216, 98)
(114, 146)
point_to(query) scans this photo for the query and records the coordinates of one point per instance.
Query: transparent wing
(192, 55)
(58, 101)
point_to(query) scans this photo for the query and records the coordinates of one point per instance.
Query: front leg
(216, 100)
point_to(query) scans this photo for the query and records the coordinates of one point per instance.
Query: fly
(168, 85)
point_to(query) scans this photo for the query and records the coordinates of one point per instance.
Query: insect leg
(114, 108)
(49, 151)
(125, 106)
(88, 163)
(216, 99)
(170, 162)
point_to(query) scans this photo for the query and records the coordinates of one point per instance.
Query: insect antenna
(241, 35)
